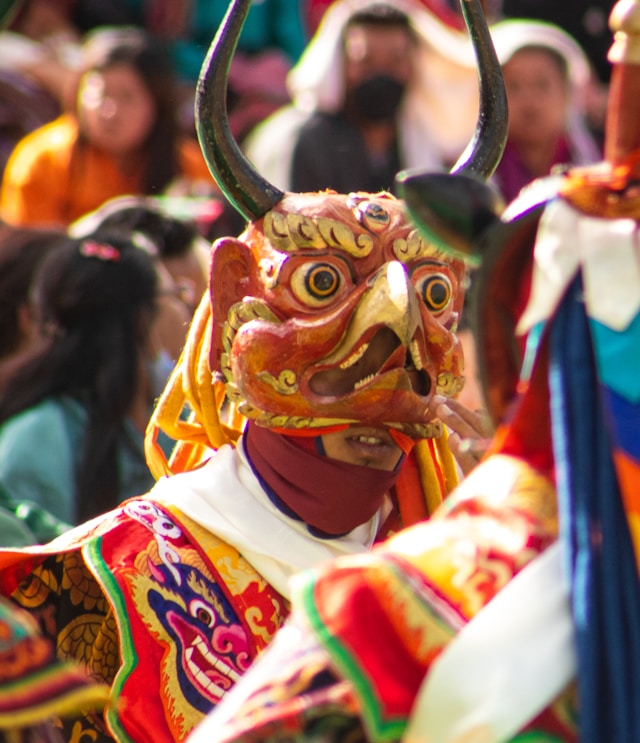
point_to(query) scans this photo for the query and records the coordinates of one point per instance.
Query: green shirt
(40, 450)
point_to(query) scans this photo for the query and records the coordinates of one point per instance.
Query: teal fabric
(14, 531)
(270, 24)
(39, 451)
(618, 357)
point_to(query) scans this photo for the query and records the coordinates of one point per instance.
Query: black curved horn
(250, 193)
(8, 8)
(485, 149)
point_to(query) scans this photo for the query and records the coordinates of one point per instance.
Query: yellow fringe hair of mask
(191, 387)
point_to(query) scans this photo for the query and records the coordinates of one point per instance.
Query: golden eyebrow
(414, 246)
(288, 232)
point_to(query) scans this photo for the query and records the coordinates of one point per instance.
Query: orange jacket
(41, 187)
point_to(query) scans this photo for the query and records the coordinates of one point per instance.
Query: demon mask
(330, 308)
(333, 310)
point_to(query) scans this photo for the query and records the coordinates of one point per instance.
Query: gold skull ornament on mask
(332, 309)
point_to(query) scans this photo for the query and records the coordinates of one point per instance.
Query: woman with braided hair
(80, 397)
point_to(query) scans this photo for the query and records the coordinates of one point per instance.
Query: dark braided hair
(95, 301)
(21, 250)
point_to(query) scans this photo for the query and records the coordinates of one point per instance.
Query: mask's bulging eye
(373, 216)
(317, 283)
(435, 292)
(322, 282)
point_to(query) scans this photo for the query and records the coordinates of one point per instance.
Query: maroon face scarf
(332, 497)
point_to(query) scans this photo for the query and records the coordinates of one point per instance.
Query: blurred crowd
(108, 210)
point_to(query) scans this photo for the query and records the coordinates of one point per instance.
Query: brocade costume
(366, 631)
(35, 685)
(158, 595)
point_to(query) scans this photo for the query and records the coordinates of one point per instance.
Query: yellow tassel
(448, 463)
(429, 480)
(434, 458)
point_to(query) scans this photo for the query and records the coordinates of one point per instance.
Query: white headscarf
(511, 36)
(316, 83)
(439, 110)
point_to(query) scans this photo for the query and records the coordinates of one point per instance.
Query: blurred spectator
(33, 78)
(378, 64)
(41, 48)
(181, 248)
(44, 19)
(182, 253)
(367, 60)
(546, 75)
(73, 414)
(214, 216)
(24, 106)
(21, 250)
(587, 21)
(123, 138)
(442, 8)
(189, 27)
(272, 39)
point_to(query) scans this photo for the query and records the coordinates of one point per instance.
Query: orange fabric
(427, 477)
(406, 443)
(411, 500)
(628, 471)
(40, 186)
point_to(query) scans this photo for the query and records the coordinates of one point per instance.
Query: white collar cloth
(505, 666)
(606, 251)
(225, 497)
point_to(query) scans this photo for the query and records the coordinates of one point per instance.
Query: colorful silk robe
(147, 598)
(365, 630)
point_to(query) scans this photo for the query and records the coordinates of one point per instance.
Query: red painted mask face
(332, 309)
